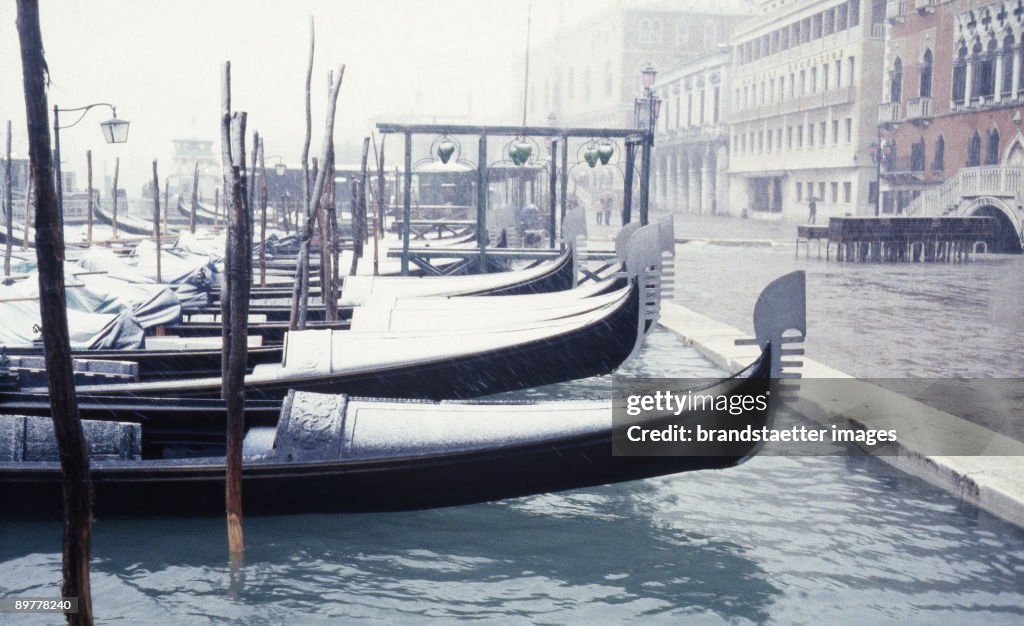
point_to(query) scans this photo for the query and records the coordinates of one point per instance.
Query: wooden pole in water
(195, 200)
(263, 219)
(167, 203)
(301, 263)
(8, 205)
(380, 197)
(113, 218)
(359, 221)
(156, 220)
(235, 308)
(74, 454)
(28, 204)
(88, 169)
(216, 206)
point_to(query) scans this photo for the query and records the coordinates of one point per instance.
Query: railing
(888, 112)
(986, 180)
(919, 108)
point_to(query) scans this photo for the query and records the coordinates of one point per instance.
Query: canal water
(782, 540)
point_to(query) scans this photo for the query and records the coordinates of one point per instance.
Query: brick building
(954, 90)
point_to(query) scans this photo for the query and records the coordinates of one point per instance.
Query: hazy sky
(160, 63)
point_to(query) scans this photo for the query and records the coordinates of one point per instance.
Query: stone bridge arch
(1009, 221)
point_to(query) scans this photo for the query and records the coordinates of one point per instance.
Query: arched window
(1007, 76)
(646, 31)
(917, 152)
(974, 150)
(896, 82)
(983, 82)
(992, 151)
(960, 76)
(925, 88)
(938, 163)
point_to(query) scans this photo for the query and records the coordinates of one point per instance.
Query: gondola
(450, 363)
(334, 453)
(125, 223)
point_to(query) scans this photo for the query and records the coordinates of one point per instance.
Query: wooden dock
(900, 239)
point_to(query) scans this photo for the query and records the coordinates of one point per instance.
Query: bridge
(995, 191)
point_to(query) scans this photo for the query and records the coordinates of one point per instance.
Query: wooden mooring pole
(302, 262)
(156, 220)
(113, 215)
(235, 308)
(8, 205)
(88, 169)
(195, 200)
(74, 454)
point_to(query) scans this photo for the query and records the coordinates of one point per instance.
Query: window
(896, 80)
(778, 137)
(799, 191)
(814, 80)
(784, 38)
(960, 77)
(938, 163)
(792, 85)
(849, 129)
(689, 109)
(650, 31)
(789, 137)
(682, 34)
(810, 135)
(800, 136)
(816, 26)
(842, 12)
(974, 150)
(768, 147)
(847, 192)
(925, 88)
(821, 133)
(821, 191)
(983, 70)
(803, 82)
(917, 152)
(782, 87)
(835, 132)
(850, 76)
(854, 13)
(760, 141)
(702, 99)
(824, 77)
(992, 153)
(830, 24)
(839, 74)
(714, 106)
(834, 188)
(1007, 77)
(710, 33)
(743, 142)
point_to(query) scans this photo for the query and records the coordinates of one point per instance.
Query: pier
(900, 239)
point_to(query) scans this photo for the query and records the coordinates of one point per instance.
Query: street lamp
(115, 130)
(880, 150)
(645, 112)
(279, 168)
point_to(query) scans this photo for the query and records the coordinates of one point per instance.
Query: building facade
(691, 155)
(951, 116)
(804, 93)
(589, 74)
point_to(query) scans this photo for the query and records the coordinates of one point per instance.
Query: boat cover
(192, 274)
(89, 331)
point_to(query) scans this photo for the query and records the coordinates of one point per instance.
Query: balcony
(896, 11)
(889, 113)
(919, 109)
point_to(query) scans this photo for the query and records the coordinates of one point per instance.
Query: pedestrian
(813, 206)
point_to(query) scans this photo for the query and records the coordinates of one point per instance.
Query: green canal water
(780, 540)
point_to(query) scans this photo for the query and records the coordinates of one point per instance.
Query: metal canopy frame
(632, 138)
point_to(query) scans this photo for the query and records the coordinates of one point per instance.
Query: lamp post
(879, 151)
(645, 110)
(115, 130)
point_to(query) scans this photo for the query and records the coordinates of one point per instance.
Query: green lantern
(605, 152)
(591, 156)
(445, 150)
